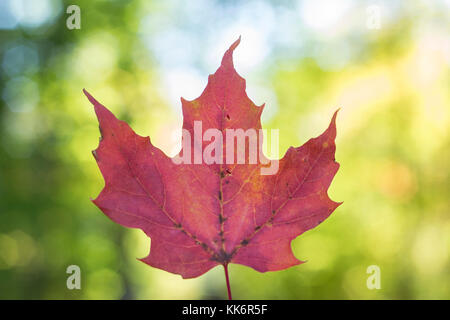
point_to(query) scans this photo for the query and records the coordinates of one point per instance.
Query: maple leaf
(202, 215)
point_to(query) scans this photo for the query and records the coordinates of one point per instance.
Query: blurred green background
(304, 59)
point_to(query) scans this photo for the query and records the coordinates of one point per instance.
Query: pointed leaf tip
(235, 44)
(227, 59)
(100, 110)
(332, 125)
(333, 120)
(90, 98)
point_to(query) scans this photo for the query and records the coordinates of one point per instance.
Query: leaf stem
(225, 266)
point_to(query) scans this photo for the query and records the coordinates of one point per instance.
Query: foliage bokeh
(304, 60)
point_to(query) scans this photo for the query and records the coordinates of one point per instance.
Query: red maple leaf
(202, 215)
